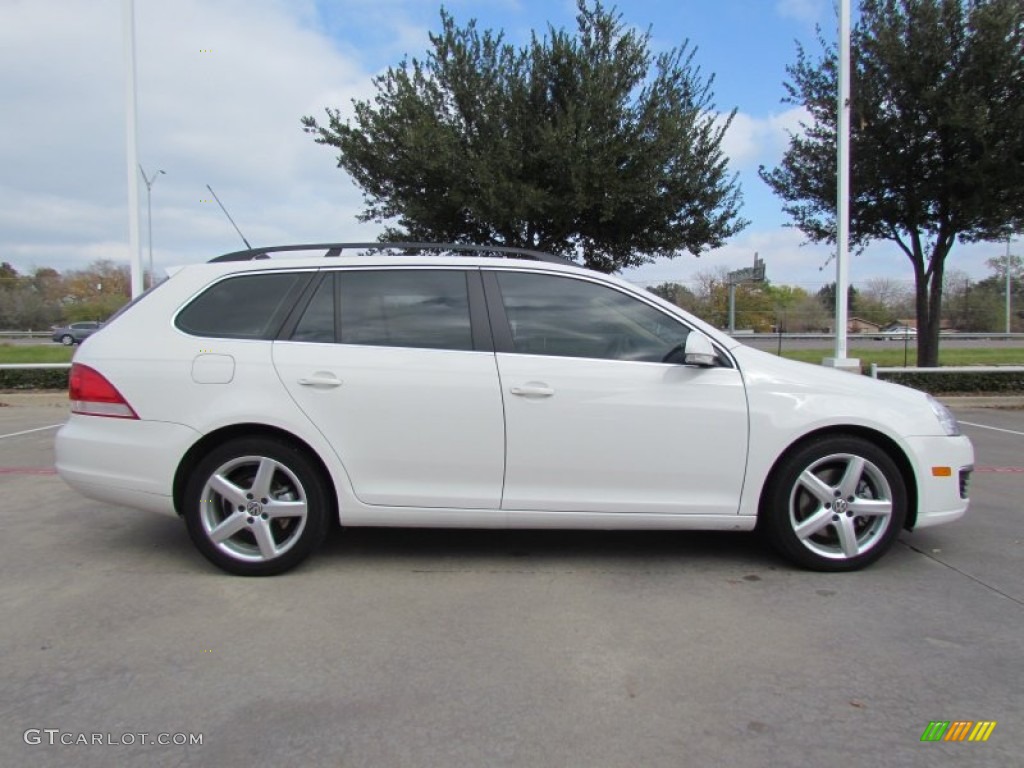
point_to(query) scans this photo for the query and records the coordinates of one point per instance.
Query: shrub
(34, 378)
(952, 383)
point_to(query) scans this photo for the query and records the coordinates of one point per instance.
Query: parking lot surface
(466, 648)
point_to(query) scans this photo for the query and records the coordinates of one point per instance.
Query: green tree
(827, 296)
(48, 283)
(711, 288)
(755, 305)
(96, 292)
(999, 264)
(937, 144)
(10, 285)
(677, 294)
(795, 309)
(988, 296)
(582, 145)
(755, 308)
(807, 314)
(884, 299)
(28, 302)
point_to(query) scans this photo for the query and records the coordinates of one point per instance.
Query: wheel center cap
(840, 506)
(254, 508)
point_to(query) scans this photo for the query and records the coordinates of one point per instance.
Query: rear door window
(405, 308)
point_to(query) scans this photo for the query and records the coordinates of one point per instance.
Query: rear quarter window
(243, 307)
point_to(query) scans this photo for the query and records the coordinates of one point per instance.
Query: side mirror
(699, 351)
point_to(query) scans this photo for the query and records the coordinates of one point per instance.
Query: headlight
(945, 417)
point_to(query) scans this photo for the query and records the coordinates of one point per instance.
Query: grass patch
(35, 353)
(935, 383)
(894, 357)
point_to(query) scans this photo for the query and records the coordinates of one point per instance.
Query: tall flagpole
(843, 195)
(131, 149)
(843, 191)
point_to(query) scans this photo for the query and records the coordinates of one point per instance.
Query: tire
(834, 504)
(256, 506)
(67, 339)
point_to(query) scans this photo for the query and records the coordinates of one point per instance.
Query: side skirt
(406, 517)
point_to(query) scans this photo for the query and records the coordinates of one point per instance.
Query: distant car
(75, 333)
(899, 332)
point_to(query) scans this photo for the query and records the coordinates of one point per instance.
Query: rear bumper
(123, 461)
(941, 464)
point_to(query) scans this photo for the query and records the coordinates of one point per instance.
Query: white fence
(31, 366)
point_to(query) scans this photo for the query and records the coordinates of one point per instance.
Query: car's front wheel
(256, 506)
(834, 504)
(67, 339)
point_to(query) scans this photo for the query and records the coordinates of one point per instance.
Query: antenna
(229, 217)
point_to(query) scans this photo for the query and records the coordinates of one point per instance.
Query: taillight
(91, 394)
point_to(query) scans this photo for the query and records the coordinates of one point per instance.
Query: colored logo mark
(958, 730)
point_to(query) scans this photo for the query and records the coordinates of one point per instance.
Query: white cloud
(229, 118)
(752, 141)
(806, 11)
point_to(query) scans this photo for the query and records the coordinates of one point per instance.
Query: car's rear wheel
(256, 506)
(67, 339)
(835, 504)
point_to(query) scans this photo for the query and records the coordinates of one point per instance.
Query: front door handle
(322, 380)
(533, 389)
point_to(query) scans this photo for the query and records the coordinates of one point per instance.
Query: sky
(222, 85)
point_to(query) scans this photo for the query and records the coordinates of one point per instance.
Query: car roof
(332, 250)
(327, 255)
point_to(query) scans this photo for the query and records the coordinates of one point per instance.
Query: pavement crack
(952, 567)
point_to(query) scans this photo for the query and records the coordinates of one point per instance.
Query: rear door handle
(533, 389)
(321, 380)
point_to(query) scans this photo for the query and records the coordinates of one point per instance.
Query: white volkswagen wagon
(260, 395)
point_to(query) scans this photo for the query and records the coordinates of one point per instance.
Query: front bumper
(943, 466)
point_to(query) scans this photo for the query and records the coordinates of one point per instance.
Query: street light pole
(149, 215)
(131, 147)
(1008, 291)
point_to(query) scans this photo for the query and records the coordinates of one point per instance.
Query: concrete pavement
(463, 648)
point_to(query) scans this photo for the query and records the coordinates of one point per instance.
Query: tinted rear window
(243, 307)
(406, 308)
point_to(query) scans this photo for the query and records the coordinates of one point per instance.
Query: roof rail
(335, 249)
